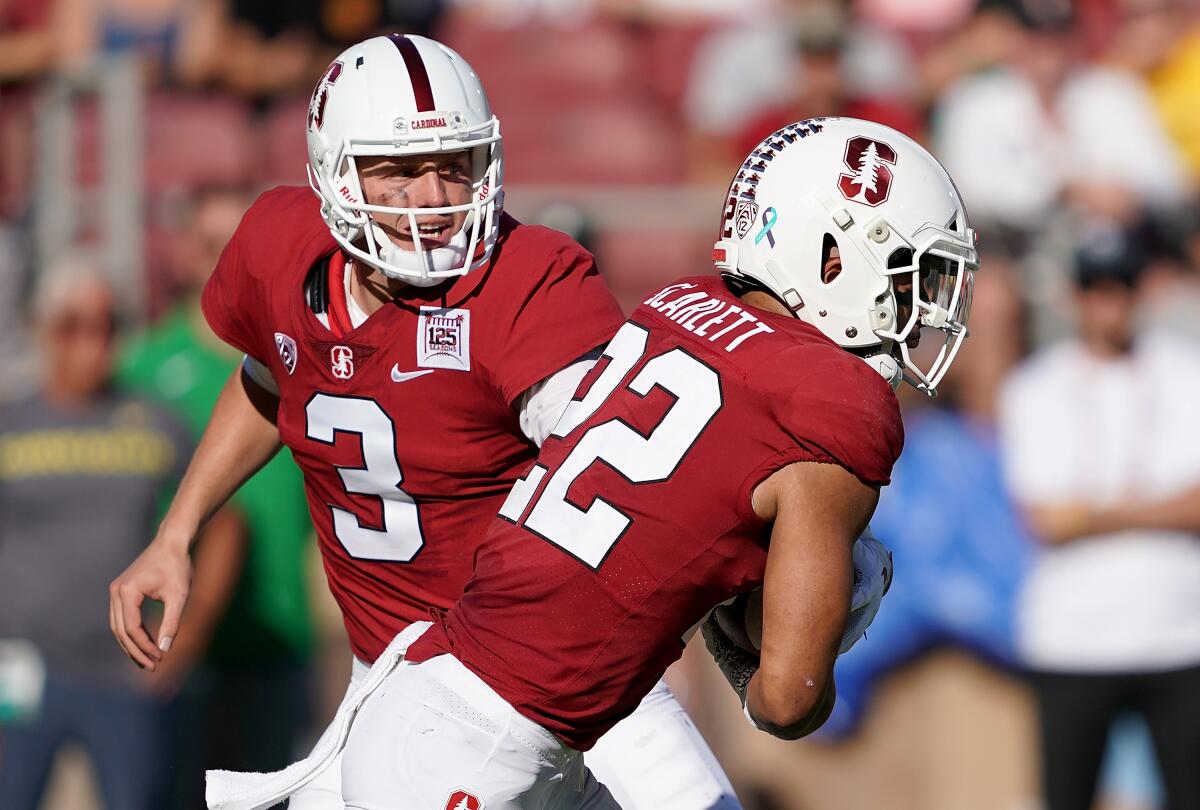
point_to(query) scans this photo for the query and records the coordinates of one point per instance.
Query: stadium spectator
(248, 707)
(1099, 442)
(1175, 76)
(29, 45)
(82, 472)
(260, 50)
(1048, 127)
(810, 60)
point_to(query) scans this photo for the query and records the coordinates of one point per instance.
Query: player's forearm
(239, 440)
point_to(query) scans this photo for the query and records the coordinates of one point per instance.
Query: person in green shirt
(249, 706)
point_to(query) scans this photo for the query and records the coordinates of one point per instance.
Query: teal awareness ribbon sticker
(769, 218)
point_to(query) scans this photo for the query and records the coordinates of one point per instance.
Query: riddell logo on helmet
(461, 800)
(870, 179)
(320, 96)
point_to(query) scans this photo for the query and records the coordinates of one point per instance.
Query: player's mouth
(435, 234)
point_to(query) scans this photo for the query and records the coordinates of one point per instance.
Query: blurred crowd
(1045, 516)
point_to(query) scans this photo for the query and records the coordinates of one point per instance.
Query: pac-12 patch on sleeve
(444, 339)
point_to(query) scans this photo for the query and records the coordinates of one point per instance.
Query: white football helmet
(907, 252)
(404, 95)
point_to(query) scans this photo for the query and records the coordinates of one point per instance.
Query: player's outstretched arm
(819, 510)
(240, 438)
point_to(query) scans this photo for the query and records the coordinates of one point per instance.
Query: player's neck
(371, 289)
(760, 300)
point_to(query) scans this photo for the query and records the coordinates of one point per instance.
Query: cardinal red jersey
(636, 519)
(404, 427)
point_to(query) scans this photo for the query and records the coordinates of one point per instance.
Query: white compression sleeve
(543, 403)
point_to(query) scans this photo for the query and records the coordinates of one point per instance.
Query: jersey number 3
(399, 538)
(589, 534)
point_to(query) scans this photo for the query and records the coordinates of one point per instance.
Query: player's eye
(456, 170)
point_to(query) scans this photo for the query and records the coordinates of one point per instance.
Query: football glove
(738, 665)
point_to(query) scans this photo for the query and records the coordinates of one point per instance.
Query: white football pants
(434, 732)
(655, 759)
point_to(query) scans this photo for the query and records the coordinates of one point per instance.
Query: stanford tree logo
(870, 177)
(320, 96)
(461, 800)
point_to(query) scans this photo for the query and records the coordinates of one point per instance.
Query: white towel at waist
(236, 790)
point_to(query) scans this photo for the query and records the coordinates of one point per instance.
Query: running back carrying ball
(742, 619)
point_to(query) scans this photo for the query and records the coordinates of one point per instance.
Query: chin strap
(888, 367)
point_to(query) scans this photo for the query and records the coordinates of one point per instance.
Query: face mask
(413, 267)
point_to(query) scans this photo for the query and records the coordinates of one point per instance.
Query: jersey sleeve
(565, 314)
(840, 412)
(230, 297)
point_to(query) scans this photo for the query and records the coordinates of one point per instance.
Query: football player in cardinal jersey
(412, 345)
(732, 437)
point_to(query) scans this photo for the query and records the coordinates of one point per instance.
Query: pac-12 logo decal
(743, 219)
(320, 96)
(869, 162)
(287, 351)
(461, 800)
(341, 362)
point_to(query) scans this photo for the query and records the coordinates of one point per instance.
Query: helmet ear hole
(900, 257)
(831, 259)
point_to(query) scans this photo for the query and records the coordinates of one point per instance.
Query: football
(741, 620)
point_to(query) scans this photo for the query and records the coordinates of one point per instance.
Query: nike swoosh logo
(405, 376)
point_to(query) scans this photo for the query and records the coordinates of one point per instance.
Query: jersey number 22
(589, 534)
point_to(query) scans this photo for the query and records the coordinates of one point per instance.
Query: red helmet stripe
(417, 74)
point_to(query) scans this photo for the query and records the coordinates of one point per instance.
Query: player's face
(1105, 312)
(79, 337)
(418, 181)
(832, 267)
(902, 284)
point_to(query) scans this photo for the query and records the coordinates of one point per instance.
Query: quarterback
(732, 437)
(412, 344)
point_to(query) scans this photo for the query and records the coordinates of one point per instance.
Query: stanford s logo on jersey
(320, 96)
(341, 362)
(870, 179)
(461, 800)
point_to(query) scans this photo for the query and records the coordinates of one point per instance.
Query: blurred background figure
(1101, 451)
(248, 706)
(1069, 145)
(82, 473)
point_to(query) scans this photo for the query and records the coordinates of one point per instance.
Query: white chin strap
(415, 267)
(888, 367)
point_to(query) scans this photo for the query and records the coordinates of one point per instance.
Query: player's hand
(872, 578)
(163, 572)
(737, 664)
